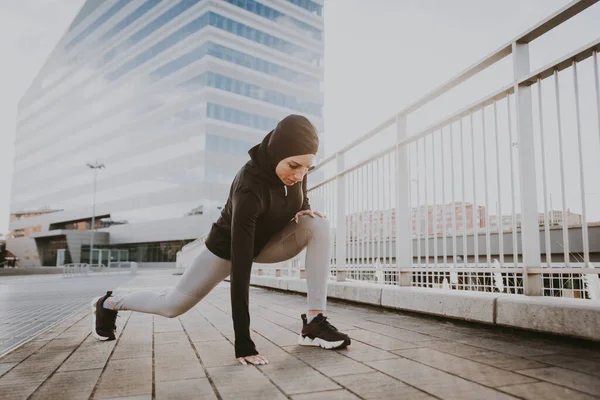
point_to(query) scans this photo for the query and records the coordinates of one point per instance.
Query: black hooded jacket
(259, 205)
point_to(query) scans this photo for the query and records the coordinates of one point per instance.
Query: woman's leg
(312, 233)
(198, 280)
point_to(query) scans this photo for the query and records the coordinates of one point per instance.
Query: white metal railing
(466, 202)
(76, 269)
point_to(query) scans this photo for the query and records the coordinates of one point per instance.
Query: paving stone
(505, 361)
(36, 368)
(23, 352)
(204, 334)
(470, 370)
(363, 352)
(435, 382)
(169, 337)
(577, 363)
(395, 332)
(575, 380)
(19, 391)
(162, 324)
(329, 395)
(125, 378)
(447, 359)
(454, 348)
(544, 391)
(90, 355)
(197, 388)
(243, 381)
(264, 346)
(216, 354)
(276, 334)
(505, 347)
(328, 362)
(381, 341)
(293, 376)
(72, 385)
(5, 367)
(375, 385)
(176, 361)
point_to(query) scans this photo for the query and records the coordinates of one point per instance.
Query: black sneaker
(103, 320)
(321, 333)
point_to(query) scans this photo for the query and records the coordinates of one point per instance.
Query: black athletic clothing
(259, 205)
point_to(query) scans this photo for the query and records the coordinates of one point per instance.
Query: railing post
(530, 232)
(403, 212)
(340, 226)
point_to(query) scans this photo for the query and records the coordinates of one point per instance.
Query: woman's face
(291, 170)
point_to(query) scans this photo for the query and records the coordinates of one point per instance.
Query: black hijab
(293, 136)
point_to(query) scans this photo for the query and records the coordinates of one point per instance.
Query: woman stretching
(266, 219)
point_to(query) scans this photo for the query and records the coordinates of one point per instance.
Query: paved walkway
(393, 356)
(31, 304)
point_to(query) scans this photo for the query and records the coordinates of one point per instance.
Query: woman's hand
(308, 212)
(255, 360)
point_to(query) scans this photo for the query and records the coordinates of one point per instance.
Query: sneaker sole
(94, 333)
(318, 342)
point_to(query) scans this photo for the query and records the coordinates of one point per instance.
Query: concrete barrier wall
(563, 316)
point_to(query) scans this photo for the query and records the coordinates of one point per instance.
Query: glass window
(274, 15)
(240, 117)
(163, 19)
(86, 10)
(99, 21)
(139, 12)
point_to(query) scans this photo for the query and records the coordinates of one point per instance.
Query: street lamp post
(96, 166)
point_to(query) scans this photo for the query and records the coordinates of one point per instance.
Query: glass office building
(169, 96)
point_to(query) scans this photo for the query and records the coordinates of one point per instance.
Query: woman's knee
(319, 226)
(178, 303)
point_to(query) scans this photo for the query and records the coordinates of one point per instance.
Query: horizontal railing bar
(554, 20)
(500, 94)
(562, 63)
(560, 270)
(544, 26)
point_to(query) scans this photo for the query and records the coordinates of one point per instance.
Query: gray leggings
(208, 270)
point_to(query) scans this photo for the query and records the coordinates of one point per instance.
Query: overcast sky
(380, 55)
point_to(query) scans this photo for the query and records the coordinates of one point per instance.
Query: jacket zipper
(285, 189)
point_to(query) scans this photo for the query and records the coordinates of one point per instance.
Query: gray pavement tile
(36, 368)
(375, 385)
(125, 378)
(5, 367)
(395, 332)
(89, 355)
(243, 381)
(435, 382)
(329, 362)
(72, 385)
(293, 376)
(505, 361)
(219, 353)
(544, 391)
(197, 388)
(363, 352)
(329, 395)
(176, 361)
(381, 341)
(579, 363)
(505, 347)
(575, 380)
(470, 370)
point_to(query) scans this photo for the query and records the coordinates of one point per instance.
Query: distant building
(426, 221)
(170, 96)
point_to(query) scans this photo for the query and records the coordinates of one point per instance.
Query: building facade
(169, 96)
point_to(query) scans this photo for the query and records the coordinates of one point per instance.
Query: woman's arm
(246, 207)
(306, 202)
